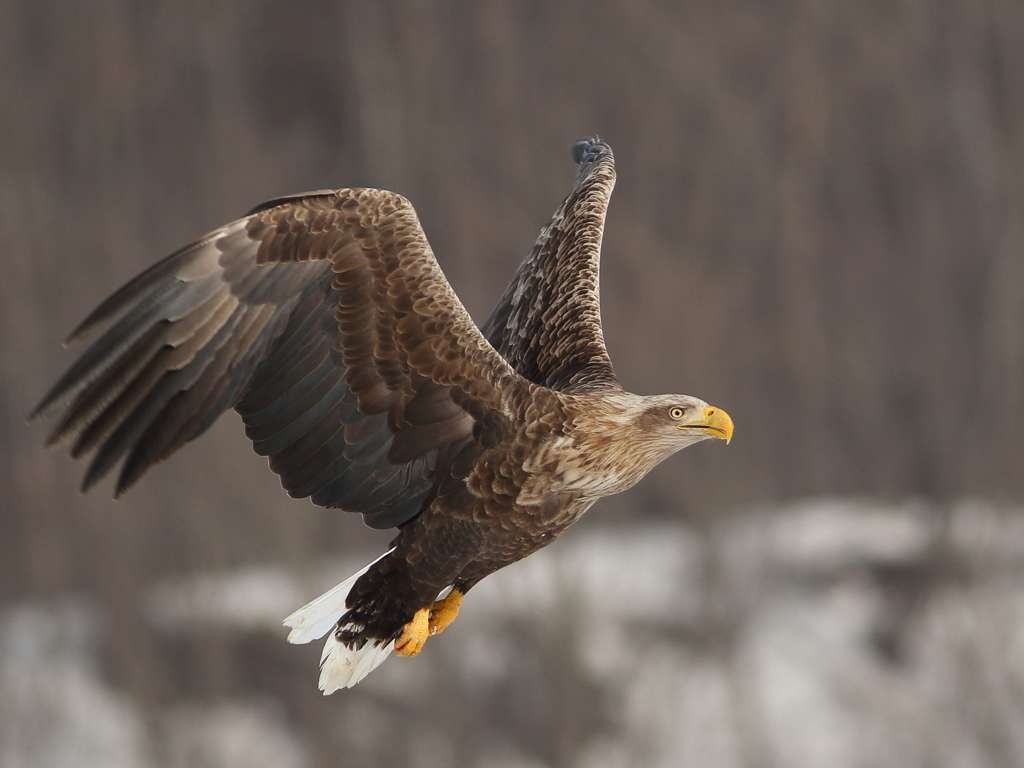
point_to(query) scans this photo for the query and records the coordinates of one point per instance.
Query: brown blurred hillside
(818, 226)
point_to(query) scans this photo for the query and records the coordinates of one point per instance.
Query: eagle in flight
(325, 321)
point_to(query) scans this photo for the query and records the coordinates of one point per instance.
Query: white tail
(340, 666)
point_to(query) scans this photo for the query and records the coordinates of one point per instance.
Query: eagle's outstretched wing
(325, 320)
(548, 322)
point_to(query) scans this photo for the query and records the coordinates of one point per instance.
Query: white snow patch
(55, 709)
(250, 598)
(232, 735)
(753, 643)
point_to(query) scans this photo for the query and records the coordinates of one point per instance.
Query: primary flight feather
(326, 322)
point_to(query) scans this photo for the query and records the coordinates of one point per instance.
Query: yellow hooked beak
(714, 422)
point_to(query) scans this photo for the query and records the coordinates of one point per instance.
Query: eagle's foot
(427, 622)
(443, 612)
(414, 634)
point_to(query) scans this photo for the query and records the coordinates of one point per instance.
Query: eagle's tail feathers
(343, 667)
(317, 618)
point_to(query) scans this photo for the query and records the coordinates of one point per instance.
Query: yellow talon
(414, 635)
(427, 622)
(443, 612)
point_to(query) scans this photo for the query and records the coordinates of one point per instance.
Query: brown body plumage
(325, 321)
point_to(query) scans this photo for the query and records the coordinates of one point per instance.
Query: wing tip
(59, 396)
(586, 150)
(84, 329)
(40, 413)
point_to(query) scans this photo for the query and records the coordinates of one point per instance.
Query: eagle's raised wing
(325, 320)
(548, 322)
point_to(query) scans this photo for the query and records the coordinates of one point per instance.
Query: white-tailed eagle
(325, 321)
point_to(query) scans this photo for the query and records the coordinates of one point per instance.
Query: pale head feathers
(619, 437)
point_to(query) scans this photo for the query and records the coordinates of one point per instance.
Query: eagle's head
(621, 436)
(676, 421)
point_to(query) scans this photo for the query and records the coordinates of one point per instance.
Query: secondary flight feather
(326, 322)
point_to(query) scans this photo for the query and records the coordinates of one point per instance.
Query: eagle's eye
(676, 413)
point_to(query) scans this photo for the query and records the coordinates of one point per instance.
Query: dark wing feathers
(324, 320)
(548, 322)
(187, 265)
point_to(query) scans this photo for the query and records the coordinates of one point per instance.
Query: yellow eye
(676, 413)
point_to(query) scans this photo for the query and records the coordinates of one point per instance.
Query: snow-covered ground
(829, 633)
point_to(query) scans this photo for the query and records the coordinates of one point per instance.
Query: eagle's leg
(414, 634)
(443, 612)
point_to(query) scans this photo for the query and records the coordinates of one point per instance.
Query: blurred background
(818, 226)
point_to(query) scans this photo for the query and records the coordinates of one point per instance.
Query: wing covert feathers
(321, 318)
